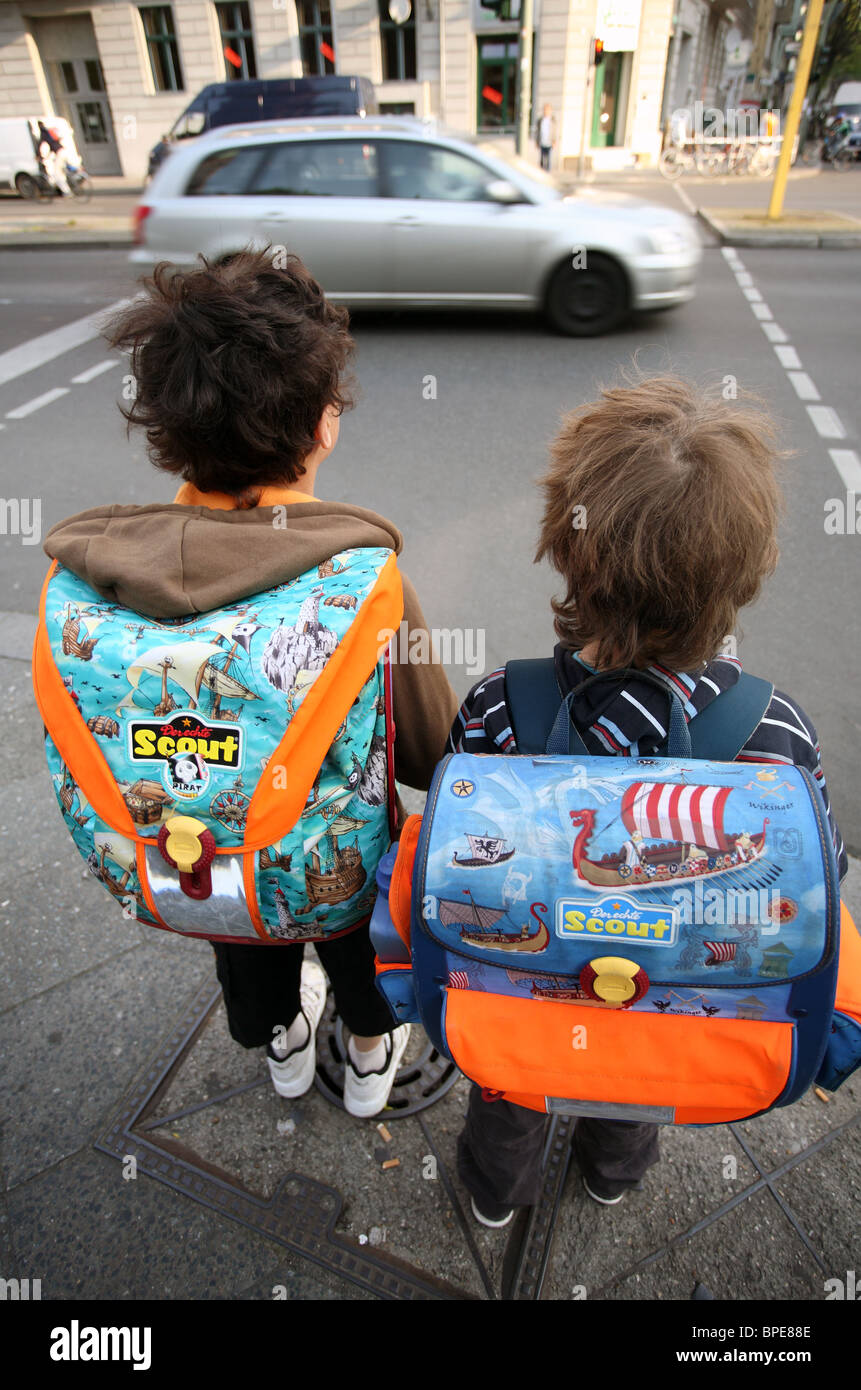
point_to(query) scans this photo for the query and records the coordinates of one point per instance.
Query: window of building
(497, 81)
(237, 41)
(315, 37)
(320, 169)
(67, 73)
(398, 43)
(95, 76)
(225, 173)
(162, 47)
(91, 119)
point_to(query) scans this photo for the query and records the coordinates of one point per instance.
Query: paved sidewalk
(116, 1049)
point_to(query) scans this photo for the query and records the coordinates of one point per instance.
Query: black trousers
(260, 985)
(500, 1148)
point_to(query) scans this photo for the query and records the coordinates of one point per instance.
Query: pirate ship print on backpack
(235, 766)
(713, 980)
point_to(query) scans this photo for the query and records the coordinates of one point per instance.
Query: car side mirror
(501, 191)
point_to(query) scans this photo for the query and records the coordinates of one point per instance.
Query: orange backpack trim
(310, 733)
(74, 742)
(848, 998)
(400, 888)
(731, 1067)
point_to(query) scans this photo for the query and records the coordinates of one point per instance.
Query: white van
(847, 102)
(19, 143)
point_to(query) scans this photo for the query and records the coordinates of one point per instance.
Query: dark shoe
(492, 1215)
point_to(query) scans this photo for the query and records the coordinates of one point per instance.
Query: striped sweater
(631, 720)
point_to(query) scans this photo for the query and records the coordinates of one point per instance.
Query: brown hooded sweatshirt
(167, 560)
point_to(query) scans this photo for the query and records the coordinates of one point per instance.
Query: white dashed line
(92, 372)
(35, 353)
(744, 277)
(730, 254)
(774, 333)
(762, 311)
(753, 296)
(804, 387)
(788, 357)
(36, 404)
(848, 466)
(826, 422)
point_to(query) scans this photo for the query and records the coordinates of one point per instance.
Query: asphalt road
(457, 472)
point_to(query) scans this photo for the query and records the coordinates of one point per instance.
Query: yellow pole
(793, 115)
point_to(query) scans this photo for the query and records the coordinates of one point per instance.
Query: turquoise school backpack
(228, 775)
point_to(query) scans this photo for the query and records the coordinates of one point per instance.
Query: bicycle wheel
(709, 163)
(82, 188)
(763, 163)
(672, 162)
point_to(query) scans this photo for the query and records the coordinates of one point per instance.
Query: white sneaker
(367, 1095)
(294, 1075)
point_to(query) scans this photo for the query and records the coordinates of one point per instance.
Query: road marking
(35, 353)
(730, 254)
(691, 207)
(774, 333)
(826, 422)
(92, 372)
(848, 466)
(752, 295)
(744, 277)
(36, 404)
(788, 357)
(805, 389)
(761, 311)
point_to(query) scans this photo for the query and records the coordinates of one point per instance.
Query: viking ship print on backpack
(228, 775)
(654, 939)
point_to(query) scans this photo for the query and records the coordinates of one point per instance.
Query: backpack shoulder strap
(533, 697)
(719, 732)
(722, 729)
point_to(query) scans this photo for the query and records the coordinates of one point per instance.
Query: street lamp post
(524, 86)
(793, 115)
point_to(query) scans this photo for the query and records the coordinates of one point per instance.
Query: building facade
(123, 73)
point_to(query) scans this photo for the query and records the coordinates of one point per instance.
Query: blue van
(270, 99)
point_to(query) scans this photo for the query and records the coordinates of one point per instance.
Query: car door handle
(277, 216)
(408, 221)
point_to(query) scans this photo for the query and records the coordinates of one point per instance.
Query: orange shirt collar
(190, 496)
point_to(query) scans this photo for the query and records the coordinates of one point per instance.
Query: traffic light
(598, 52)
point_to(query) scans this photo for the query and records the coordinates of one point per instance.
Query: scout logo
(187, 736)
(616, 919)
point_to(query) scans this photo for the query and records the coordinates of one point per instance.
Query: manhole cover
(424, 1075)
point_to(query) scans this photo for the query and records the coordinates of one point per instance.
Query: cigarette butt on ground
(392, 1163)
(821, 1094)
(384, 1133)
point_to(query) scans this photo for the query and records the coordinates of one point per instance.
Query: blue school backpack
(228, 775)
(652, 939)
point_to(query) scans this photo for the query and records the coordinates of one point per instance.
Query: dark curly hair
(234, 364)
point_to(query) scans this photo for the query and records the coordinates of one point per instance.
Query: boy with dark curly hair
(239, 372)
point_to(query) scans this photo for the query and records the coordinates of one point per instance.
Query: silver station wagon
(389, 212)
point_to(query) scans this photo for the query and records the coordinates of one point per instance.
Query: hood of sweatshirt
(168, 560)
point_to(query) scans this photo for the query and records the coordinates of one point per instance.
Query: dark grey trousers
(500, 1148)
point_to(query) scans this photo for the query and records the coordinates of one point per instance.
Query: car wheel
(583, 303)
(27, 186)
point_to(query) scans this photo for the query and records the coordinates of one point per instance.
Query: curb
(821, 241)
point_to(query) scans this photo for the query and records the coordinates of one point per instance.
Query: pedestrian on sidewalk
(240, 382)
(680, 493)
(546, 135)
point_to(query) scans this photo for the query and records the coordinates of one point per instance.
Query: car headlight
(668, 241)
